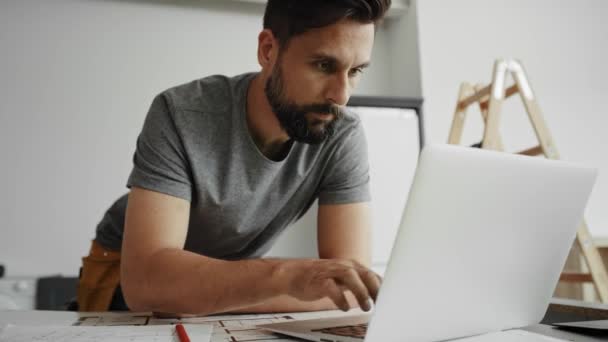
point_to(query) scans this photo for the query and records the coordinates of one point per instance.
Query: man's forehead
(340, 41)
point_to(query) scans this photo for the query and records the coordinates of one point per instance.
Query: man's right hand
(314, 279)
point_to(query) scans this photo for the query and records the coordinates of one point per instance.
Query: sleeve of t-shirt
(159, 161)
(346, 179)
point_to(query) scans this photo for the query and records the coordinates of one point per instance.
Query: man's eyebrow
(363, 65)
(334, 60)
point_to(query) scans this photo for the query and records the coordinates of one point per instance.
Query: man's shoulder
(351, 117)
(349, 124)
(209, 94)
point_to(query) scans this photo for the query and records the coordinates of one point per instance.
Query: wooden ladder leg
(483, 108)
(594, 262)
(497, 95)
(459, 114)
(534, 113)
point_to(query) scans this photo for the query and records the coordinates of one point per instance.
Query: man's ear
(268, 48)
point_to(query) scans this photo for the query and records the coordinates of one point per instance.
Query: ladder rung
(510, 91)
(576, 277)
(534, 151)
(475, 97)
(481, 93)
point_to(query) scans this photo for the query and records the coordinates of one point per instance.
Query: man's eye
(324, 66)
(356, 71)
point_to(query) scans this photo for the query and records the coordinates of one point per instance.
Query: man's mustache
(321, 109)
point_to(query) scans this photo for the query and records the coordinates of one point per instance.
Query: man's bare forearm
(184, 282)
(265, 302)
(177, 281)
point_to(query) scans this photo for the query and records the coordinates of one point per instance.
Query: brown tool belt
(99, 278)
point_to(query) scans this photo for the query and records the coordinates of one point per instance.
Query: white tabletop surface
(39, 317)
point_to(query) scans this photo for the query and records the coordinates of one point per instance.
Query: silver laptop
(481, 245)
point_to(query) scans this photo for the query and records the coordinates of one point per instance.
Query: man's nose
(338, 90)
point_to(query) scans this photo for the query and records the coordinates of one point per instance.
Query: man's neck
(263, 124)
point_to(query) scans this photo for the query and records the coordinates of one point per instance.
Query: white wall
(564, 47)
(77, 77)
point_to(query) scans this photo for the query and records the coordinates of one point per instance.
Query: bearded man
(224, 164)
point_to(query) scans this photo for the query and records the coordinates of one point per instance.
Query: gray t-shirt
(195, 144)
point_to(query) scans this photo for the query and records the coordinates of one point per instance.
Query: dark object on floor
(55, 293)
(559, 313)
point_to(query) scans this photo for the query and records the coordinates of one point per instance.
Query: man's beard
(292, 117)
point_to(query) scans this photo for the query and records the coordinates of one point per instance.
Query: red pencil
(181, 333)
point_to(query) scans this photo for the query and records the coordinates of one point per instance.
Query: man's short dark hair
(289, 18)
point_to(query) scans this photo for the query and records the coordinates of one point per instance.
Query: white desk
(34, 317)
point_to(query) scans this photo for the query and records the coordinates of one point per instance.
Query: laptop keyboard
(357, 330)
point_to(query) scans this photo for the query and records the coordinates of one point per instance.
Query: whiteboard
(393, 146)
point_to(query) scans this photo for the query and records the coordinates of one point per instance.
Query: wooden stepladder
(490, 99)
